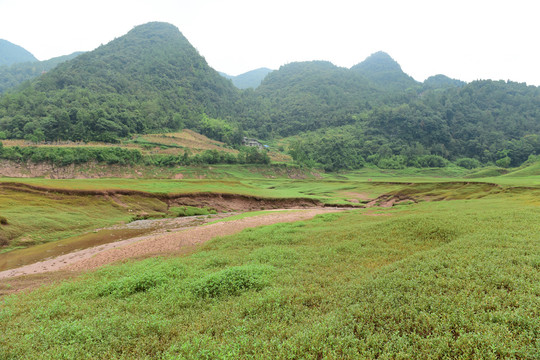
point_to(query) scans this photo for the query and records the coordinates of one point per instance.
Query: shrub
(468, 163)
(504, 162)
(3, 220)
(232, 281)
(434, 161)
(395, 162)
(191, 211)
(144, 276)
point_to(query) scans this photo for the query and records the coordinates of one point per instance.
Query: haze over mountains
(12, 54)
(250, 79)
(13, 75)
(153, 79)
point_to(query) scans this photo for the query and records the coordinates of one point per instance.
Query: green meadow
(41, 216)
(453, 273)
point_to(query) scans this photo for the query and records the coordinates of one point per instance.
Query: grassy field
(452, 273)
(37, 217)
(447, 279)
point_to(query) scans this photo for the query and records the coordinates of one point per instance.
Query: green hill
(441, 82)
(385, 72)
(153, 80)
(486, 121)
(12, 54)
(149, 79)
(304, 96)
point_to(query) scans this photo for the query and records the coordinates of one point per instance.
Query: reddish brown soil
(166, 243)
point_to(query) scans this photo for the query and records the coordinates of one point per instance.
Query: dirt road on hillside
(177, 242)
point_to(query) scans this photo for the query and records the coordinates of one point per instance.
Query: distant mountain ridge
(12, 76)
(309, 95)
(153, 79)
(442, 82)
(251, 79)
(12, 54)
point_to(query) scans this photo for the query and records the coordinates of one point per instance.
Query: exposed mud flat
(100, 237)
(176, 241)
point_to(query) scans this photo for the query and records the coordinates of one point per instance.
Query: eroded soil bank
(222, 202)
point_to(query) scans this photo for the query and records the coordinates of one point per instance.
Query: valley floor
(439, 269)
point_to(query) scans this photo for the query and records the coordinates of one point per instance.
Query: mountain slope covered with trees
(385, 72)
(149, 79)
(486, 121)
(152, 79)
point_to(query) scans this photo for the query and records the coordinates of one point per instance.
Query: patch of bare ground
(358, 196)
(180, 241)
(173, 243)
(18, 284)
(386, 201)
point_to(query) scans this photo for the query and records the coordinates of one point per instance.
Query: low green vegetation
(38, 217)
(451, 279)
(64, 156)
(179, 211)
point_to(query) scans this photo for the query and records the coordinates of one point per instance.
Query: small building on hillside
(252, 142)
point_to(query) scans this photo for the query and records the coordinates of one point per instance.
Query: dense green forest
(149, 79)
(489, 121)
(336, 118)
(385, 72)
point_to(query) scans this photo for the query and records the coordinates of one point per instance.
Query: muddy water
(17, 258)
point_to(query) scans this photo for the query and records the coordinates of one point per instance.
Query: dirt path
(166, 243)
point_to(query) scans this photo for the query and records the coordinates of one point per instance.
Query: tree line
(153, 80)
(64, 156)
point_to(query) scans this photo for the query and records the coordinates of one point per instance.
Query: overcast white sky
(463, 39)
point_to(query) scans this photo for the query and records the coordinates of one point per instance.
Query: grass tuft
(233, 281)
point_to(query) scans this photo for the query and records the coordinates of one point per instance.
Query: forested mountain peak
(147, 51)
(151, 78)
(442, 82)
(385, 72)
(299, 72)
(310, 95)
(12, 54)
(377, 62)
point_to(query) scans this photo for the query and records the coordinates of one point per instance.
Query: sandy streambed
(165, 240)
